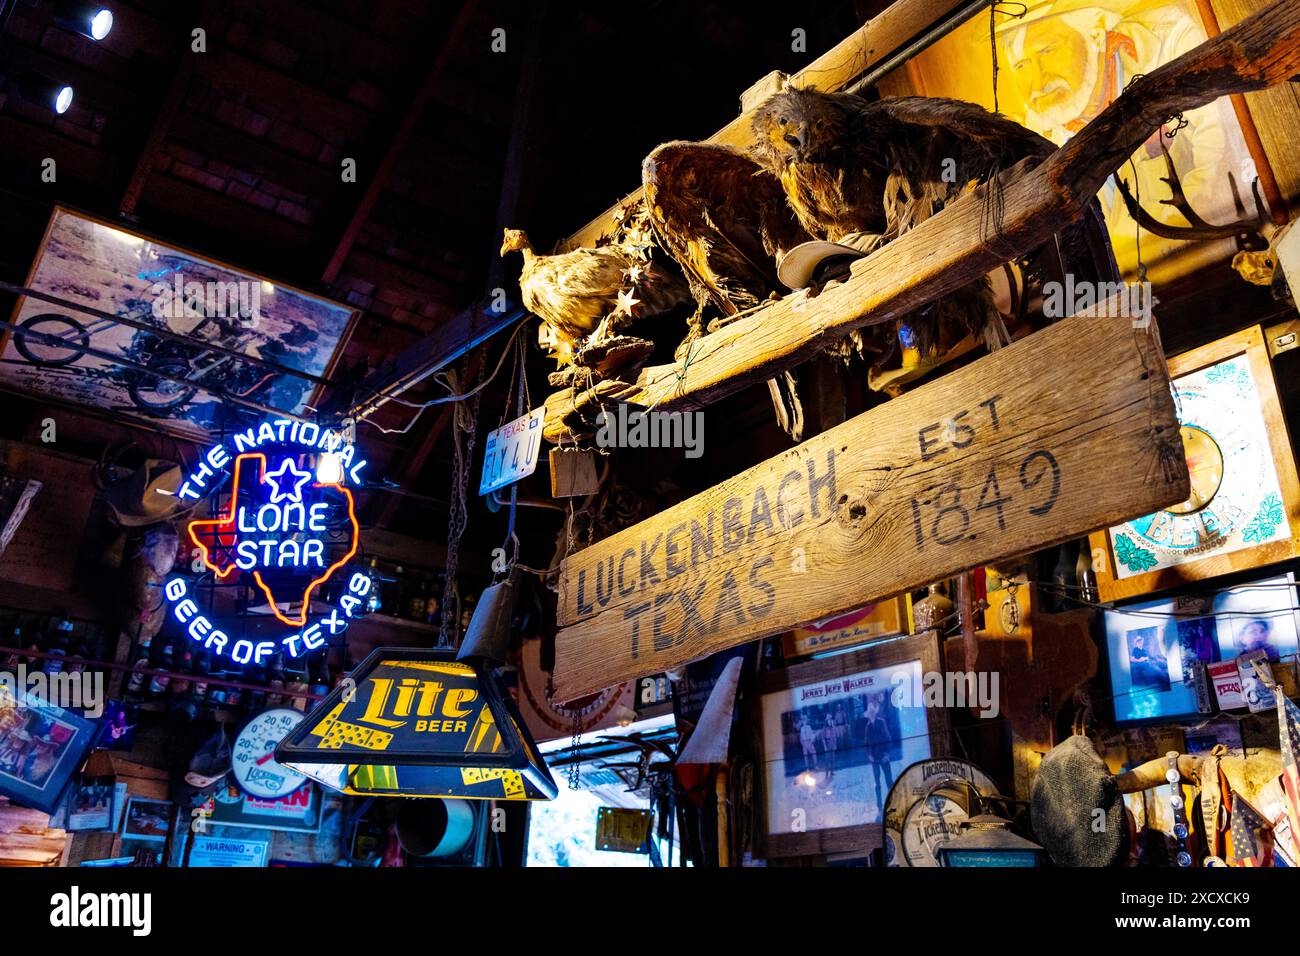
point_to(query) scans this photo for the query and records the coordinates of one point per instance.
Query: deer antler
(1240, 230)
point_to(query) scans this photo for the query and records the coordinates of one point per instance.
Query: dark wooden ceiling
(237, 152)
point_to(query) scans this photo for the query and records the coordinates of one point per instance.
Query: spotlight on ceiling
(40, 89)
(89, 19)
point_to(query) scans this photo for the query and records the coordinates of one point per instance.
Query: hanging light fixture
(418, 722)
(91, 20)
(329, 468)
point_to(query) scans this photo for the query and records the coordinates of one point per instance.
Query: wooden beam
(473, 326)
(237, 148)
(959, 244)
(231, 70)
(831, 72)
(413, 465)
(272, 231)
(1065, 431)
(398, 143)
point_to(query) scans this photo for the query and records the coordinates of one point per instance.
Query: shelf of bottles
(406, 596)
(52, 643)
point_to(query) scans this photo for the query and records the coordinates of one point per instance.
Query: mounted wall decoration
(100, 265)
(1162, 655)
(283, 522)
(545, 717)
(869, 623)
(1244, 508)
(835, 733)
(1060, 64)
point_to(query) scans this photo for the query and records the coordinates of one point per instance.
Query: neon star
(277, 480)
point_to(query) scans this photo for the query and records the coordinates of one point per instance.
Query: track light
(89, 19)
(40, 89)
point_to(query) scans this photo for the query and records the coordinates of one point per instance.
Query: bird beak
(795, 138)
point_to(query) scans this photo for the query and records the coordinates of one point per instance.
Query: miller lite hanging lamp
(417, 722)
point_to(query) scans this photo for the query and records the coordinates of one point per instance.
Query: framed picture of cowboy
(834, 734)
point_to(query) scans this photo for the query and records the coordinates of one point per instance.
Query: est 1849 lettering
(945, 513)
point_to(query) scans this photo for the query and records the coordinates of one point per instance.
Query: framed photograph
(41, 747)
(154, 285)
(1244, 508)
(1159, 651)
(146, 821)
(834, 733)
(869, 623)
(90, 806)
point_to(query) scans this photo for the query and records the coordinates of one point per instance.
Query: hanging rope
(993, 36)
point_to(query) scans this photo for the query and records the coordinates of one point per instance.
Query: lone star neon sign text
(290, 532)
(285, 534)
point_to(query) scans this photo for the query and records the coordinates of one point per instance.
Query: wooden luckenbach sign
(1067, 431)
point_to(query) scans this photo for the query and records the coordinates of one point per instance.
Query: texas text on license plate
(512, 451)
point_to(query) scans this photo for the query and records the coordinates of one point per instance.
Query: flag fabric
(1288, 722)
(1251, 842)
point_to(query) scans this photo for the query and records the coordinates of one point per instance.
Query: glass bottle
(139, 680)
(57, 648)
(164, 661)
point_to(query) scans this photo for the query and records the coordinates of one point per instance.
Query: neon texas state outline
(224, 527)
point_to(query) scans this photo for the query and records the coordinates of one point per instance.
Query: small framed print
(834, 734)
(41, 747)
(1244, 508)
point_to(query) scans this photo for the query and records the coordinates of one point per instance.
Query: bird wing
(935, 147)
(722, 218)
(999, 138)
(572, 292)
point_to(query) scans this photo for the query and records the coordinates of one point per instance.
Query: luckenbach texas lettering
(800, 494)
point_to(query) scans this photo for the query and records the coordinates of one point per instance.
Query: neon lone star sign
(289, 532)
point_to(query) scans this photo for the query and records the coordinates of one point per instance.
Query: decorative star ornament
(627, 302)
(290, 476)
(634, 273)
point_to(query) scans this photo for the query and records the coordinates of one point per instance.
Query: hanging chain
(463, 433)
(575, 750)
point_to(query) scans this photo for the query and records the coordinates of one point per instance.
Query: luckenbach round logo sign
(286, 526)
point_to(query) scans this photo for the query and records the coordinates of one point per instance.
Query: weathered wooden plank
(1043, 441)
(1013, 216)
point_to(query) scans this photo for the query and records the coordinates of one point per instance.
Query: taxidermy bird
(587, 296)
(849, 165)
(725, 221)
